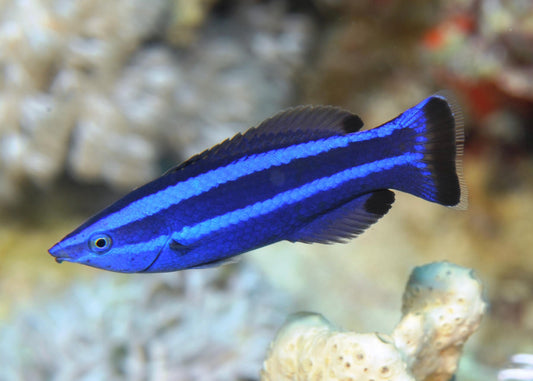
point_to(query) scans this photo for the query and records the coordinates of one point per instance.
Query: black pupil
(100, 243)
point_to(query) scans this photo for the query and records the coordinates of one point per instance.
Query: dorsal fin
(348, 220)
(292, 126)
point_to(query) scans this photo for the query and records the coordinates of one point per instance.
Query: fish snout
(58, 252)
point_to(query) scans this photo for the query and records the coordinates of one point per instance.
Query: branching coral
(195, 325)
(442, 307)
(93, 87)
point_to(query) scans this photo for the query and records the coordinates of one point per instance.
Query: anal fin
(219, 262)
(348, 220)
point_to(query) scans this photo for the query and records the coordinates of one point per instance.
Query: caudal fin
(439, 137)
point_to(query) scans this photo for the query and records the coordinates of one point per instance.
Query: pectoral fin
(178, 247)
(181, 250)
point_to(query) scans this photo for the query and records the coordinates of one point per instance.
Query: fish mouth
(58, 253)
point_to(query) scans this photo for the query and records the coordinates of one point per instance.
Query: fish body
(307, 174)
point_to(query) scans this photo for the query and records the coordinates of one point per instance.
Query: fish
(308, 174)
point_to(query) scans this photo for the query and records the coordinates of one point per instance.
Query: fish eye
(100, 243)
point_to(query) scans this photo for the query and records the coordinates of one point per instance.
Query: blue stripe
(141, 247)
(189, 234)
(130, 250)
(174, 194)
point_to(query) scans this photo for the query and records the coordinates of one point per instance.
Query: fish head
(126, 249)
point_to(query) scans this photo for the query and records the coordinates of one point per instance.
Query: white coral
(207, 325)
(81, 90)
(309, 348)
(57, 57)
(442, 307)
(520, 369)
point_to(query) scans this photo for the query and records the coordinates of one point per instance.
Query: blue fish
(307, 174)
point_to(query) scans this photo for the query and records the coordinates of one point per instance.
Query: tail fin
(438, 124)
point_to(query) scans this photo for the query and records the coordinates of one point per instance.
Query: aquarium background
(98, 97)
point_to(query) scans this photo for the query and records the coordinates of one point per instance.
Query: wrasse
(308, 174)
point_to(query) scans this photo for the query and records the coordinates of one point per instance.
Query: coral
(186, 17)
(484, 51)
(195, 325)
(521, 368)
(308, 347)
(93, 87)
(59, 62)
(490, 41)
(442, 307)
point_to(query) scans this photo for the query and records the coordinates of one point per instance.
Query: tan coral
(442, 307)
(313, 349)
(446, 301)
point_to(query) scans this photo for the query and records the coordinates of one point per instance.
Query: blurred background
(98, 97)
